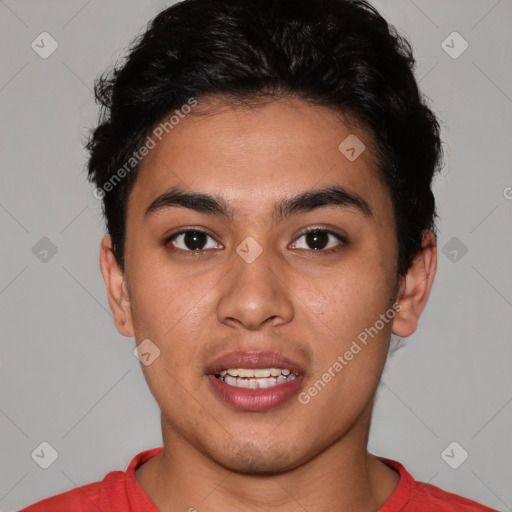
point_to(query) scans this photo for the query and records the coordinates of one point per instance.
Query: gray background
(69, 379)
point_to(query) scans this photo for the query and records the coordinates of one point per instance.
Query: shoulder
(79, 500)
(429, 497)
(117, 491)
(413, 496)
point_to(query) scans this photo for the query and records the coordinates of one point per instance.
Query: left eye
(319, 239)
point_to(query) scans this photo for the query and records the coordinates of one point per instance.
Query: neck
(342, 476)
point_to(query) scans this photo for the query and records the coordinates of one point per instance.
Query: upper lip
(253, 360)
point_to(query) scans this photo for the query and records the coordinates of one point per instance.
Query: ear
(415, 287)
(116, 288)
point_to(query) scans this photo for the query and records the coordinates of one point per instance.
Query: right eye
(191, 240)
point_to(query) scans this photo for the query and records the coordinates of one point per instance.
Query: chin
(252, 458)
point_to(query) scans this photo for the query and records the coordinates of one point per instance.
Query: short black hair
(341, 54)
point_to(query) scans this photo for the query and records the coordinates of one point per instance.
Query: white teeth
(266, 383)
(255, 383)
(257, 372)
(243, 383)
(263, 372)
(230, 380)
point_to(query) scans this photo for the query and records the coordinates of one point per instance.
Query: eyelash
(196, 252)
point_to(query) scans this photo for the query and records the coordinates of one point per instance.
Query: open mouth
(255, 381)
(256, 378)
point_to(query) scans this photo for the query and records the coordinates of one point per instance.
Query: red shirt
(119, 491)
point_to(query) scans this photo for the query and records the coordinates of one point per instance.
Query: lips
(253, 360)
(259, 399)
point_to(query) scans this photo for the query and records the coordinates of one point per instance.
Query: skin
(293, 299)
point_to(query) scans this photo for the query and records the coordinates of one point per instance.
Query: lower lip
(255, 400)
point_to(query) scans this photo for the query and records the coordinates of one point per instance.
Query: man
(265, 170)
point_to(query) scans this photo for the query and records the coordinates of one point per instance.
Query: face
(235, 275)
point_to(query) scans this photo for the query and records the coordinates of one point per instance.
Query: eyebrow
(216, 205)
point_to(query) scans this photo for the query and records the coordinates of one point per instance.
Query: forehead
(255, 156)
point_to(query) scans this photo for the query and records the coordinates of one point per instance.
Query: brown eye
(319, 240)
(192, 240)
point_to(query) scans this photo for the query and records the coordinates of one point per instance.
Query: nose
(255, 294)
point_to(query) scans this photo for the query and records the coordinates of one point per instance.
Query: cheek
(352, 328)
(174, 310)
(164, 300)
(170, 310)
(354, 296)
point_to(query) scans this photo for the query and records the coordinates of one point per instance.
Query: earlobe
(117, 292)
(415, 287)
